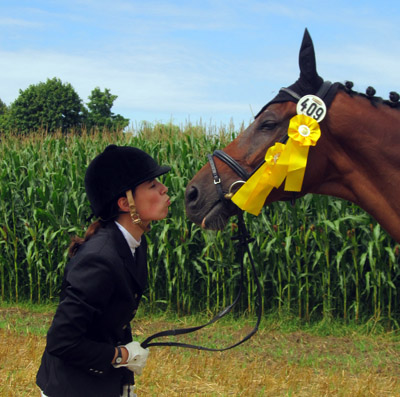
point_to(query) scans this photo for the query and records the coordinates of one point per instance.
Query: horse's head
(206, 205)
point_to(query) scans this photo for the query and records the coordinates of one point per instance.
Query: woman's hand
(137, 357)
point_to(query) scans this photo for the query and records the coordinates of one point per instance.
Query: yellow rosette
(303, 132)
(281, 161)
(252, 195)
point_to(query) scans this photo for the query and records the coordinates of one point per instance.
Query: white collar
(132, 242)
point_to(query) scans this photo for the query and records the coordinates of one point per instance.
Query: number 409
(312, 109)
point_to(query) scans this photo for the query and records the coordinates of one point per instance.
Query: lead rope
(243, 239)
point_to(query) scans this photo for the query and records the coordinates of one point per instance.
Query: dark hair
(76, 241)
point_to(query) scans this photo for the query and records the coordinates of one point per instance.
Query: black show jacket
(101, 290)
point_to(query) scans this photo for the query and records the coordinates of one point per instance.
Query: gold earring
(132, 210)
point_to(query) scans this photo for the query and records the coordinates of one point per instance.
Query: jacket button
(136, 296)
(124, 327)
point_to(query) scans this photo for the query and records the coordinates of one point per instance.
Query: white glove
(128, 391)
(137, 358)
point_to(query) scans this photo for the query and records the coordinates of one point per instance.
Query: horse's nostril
(192, 194)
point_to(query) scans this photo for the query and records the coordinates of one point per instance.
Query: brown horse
(357, 157)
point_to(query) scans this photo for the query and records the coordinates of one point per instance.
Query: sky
(201, 62)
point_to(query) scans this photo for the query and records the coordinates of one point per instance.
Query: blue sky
(198, 61)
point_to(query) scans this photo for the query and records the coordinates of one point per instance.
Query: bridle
(243, 239)
(239, 170)
(235, 166)
(293, 96)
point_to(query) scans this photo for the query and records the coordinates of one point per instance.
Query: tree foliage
(51, 106)
(100, 115)
(55, 106)
(3, 108)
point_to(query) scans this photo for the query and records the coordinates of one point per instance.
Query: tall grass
(321, 258)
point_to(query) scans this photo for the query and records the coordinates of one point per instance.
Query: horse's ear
(307, 63)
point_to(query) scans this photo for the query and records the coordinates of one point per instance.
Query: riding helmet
(116, 170)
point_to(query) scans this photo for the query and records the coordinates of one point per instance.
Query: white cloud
(364, 65)
(141, 82)
(8, 22)
(215, 59)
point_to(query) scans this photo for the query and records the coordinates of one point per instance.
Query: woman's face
(151, 201)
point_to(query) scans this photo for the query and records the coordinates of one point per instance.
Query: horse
(357, 157)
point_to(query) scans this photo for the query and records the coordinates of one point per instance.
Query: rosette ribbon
(281, 161)
(252, 195)
(303, 132)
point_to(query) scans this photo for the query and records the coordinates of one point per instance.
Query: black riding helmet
(116, 170)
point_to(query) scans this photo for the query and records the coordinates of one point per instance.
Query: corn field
(322, 258)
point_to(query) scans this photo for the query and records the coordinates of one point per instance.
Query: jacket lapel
(136, 265)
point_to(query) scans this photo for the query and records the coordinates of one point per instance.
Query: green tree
(3, 116)
(3, 108)
(99, 114)
(52, 106)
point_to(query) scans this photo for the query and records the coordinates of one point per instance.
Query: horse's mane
(300, 88)
(393, 100)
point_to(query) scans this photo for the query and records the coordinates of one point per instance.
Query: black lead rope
(243, 240)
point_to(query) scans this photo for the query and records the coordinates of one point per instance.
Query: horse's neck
(363, 152)
(368, 134)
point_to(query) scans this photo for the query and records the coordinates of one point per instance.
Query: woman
(89, 350)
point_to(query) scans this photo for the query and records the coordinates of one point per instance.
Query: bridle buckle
(234, 165)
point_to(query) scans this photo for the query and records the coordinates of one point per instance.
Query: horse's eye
(268, 125)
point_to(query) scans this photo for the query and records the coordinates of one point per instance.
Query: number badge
(312, 106)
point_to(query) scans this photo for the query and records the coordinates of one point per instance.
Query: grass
(285, 358)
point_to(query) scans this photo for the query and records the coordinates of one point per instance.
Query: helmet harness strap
(132, 210)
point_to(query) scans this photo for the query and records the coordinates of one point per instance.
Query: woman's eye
(152, 183)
